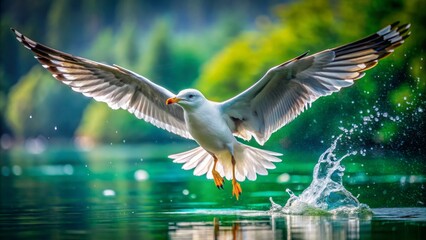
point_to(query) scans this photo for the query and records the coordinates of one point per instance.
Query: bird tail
(197, 158)
(250, 161)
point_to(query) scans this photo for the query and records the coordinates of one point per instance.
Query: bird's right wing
(114, 85)
(289, 88)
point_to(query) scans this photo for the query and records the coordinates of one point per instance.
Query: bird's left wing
(287, 89)
(114, 85)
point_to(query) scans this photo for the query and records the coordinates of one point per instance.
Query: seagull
(276, 99)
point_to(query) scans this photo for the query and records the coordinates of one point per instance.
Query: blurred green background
(219, 47)
(70, 163)
(67, 158)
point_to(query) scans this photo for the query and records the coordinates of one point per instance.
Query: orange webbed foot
(236, 189)
(218, 180)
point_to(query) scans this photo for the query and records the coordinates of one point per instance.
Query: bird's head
(188, 98)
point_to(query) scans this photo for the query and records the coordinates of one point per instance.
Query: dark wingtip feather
(18, 35)
(28, 43)
(395, 23)
(294, 59)
(15, 31)
(383, 42)
(404, 26)
(370, 65)
(302, 56)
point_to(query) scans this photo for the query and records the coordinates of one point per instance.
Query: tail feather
(182, 157)
(197, 158)
(250, 161)
(203, 167)
(256, 161)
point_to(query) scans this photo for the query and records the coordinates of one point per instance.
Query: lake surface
(134, 191)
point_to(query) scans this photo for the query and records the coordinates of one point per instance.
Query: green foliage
(37, 104)
(19, 111)
(158, 58)
(387, 132)
(101, 124)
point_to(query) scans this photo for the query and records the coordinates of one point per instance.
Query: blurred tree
(27, 111)
(158, 58)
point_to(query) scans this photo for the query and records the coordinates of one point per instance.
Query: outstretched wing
(287, 89)
(114, 85)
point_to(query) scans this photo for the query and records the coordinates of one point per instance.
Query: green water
(128, 191)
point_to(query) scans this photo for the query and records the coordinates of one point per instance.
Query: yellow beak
(172, 100)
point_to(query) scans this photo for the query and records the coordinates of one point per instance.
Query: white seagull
(276, 99)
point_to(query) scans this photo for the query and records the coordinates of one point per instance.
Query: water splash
(326, 195)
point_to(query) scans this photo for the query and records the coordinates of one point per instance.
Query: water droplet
(108, 193)
(283, 178)
(55, 128)
(17, 170)
(141, 175)
(185, 192)
(68, 169)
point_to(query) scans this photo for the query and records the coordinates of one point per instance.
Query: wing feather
(114, 85)
(289, 88)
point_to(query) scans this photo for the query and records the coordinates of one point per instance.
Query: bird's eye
(191, 96)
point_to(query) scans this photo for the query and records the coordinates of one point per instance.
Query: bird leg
(218, 180)
(236, 188)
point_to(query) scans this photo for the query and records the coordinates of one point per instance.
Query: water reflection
(271, 227)
(217, 229)
(311, 227)
(64, 193)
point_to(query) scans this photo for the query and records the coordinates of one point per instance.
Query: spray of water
(379, 127)
(326, 194)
